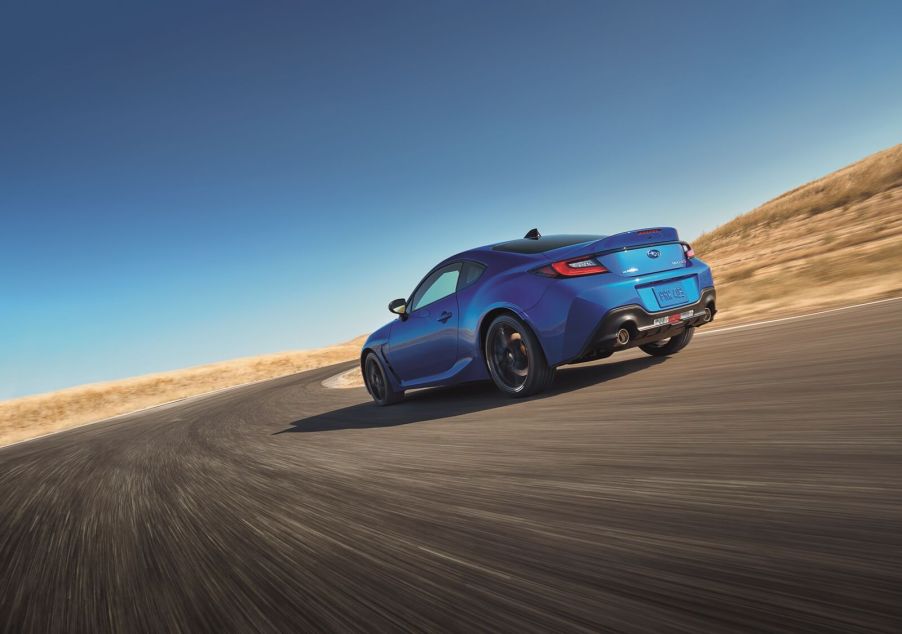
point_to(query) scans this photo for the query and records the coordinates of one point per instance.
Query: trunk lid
(645, 259)
(632, 253)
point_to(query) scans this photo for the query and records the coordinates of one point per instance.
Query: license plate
(670, 295)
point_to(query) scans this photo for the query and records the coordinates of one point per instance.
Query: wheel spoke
(510, 356)
(377, 384)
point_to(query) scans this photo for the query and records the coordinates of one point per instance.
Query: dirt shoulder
(45, 413)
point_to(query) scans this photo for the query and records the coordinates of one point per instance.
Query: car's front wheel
(673, 345)
(515, 359)
(377, 382)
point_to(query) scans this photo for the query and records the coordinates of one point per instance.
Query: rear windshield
(545, 243)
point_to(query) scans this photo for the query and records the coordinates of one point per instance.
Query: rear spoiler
(636, 238)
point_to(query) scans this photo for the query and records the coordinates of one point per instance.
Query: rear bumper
(644, 327)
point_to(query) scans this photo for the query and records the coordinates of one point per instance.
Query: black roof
(544, 243)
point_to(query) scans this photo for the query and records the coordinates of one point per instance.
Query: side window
(470, 273)
(438, 285)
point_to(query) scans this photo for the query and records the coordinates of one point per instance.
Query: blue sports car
(515, 311)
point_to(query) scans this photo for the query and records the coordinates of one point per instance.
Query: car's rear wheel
(673, 345)
(515, 359)
(377, 382)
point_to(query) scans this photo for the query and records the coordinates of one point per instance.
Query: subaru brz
(514, 311)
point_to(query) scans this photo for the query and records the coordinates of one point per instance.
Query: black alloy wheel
(515, 359)
(376, 382)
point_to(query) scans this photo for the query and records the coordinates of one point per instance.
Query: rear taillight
(687, 250)
(572, 268)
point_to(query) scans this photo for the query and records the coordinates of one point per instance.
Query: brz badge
(653, 253)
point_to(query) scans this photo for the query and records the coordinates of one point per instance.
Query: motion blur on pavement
(621, 500)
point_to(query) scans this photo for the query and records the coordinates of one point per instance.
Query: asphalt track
(751, 482)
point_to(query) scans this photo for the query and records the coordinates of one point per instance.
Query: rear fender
(494, 311)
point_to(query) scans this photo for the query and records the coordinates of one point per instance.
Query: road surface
(751, 482)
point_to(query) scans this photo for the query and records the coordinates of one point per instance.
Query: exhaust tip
(623, 337)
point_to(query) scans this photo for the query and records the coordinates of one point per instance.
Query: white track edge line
(774, 321)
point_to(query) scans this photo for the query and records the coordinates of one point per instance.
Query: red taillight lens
(690, 253)
(572, 268)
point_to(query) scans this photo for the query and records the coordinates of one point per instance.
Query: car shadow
(433, 403)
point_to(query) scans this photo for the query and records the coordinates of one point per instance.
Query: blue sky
(189, 182)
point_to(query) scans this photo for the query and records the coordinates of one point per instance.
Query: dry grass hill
(831, 242)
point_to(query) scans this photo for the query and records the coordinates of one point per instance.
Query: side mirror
(398, 307)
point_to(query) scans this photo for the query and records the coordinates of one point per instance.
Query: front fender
(377, 343)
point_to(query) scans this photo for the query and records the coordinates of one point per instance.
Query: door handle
(445, 316)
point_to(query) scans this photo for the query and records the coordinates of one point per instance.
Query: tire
(669, 346)
(377, 382)
(515, 358)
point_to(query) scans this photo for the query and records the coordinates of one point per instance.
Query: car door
(425, 342)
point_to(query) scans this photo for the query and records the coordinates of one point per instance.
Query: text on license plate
(670, 295)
